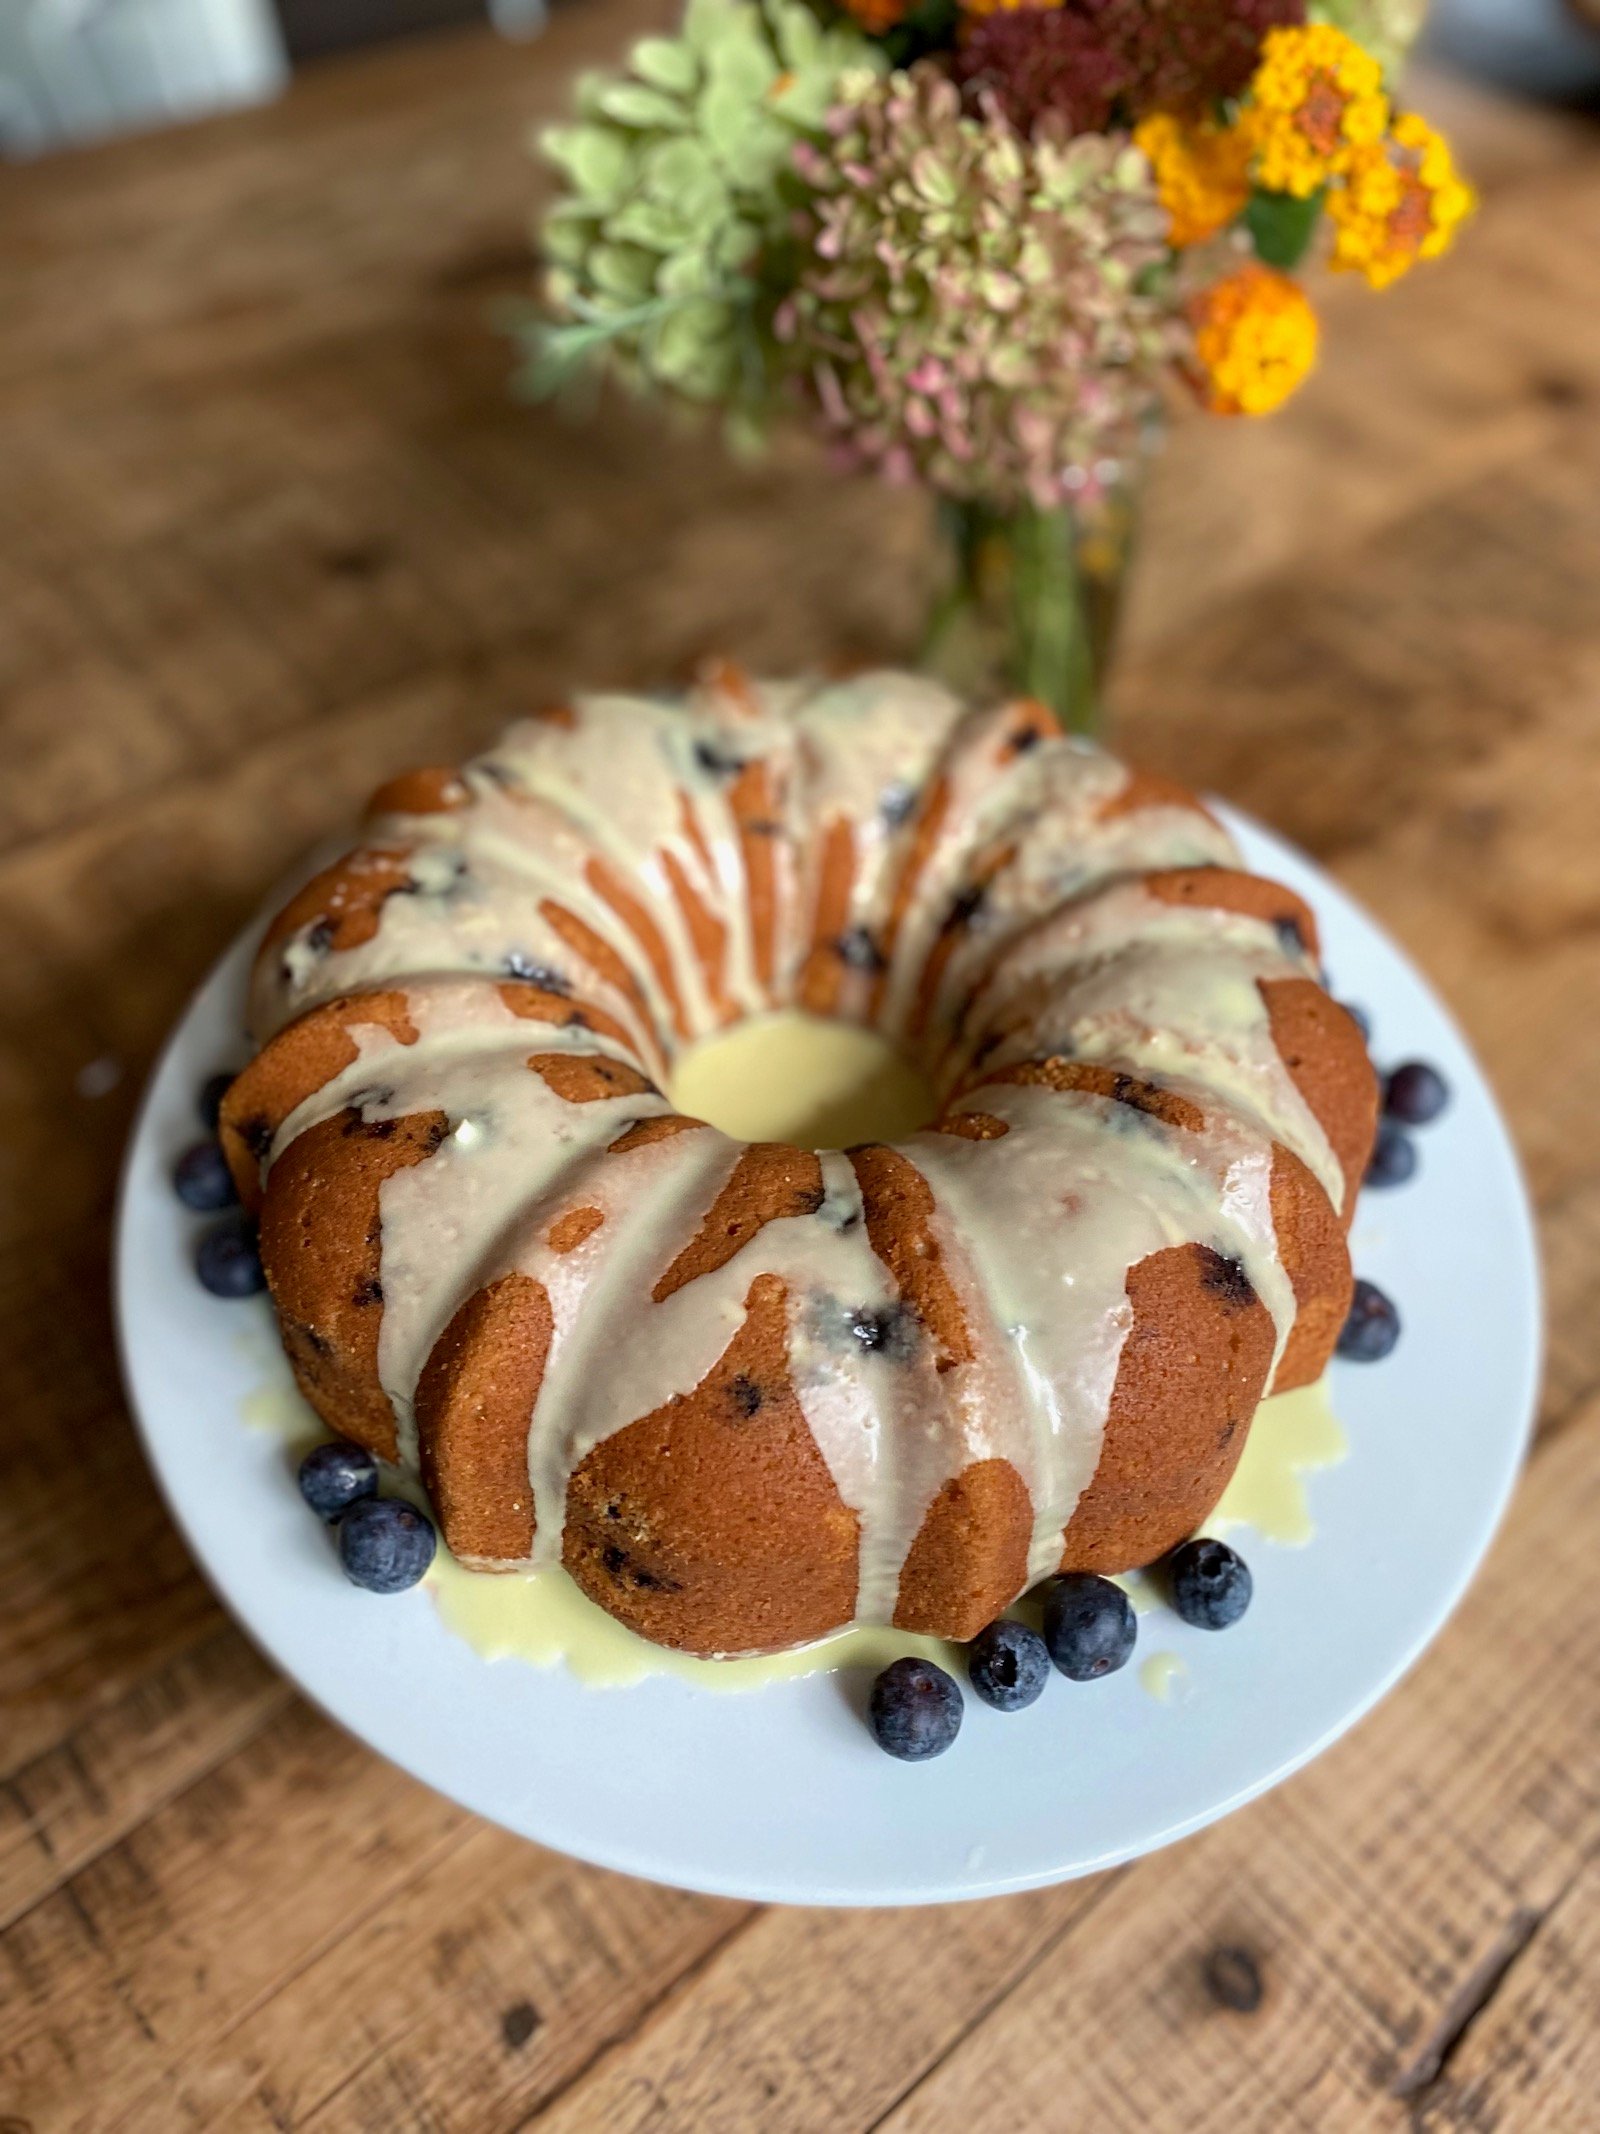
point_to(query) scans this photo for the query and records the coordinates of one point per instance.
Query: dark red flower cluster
(1100, 63)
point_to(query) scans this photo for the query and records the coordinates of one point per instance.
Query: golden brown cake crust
(970, 1558)
(1193, 1370)
(344, 903)
(1325, 1055)
(436, 790)
(899, 1205)
(474, 1397)
(321, 1234)
(1251, 895)
(298, 1062)
(1316, 1258)
(770, 1180)
(713, 1524)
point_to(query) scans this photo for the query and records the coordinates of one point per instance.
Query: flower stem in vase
(1032, 601)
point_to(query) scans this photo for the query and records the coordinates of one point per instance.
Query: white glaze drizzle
(1063, 953)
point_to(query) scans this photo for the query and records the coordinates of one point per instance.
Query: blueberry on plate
(1415, 1093)
(1211, 1584)
(1008, 1665)
(1394, 1156)
(1089, 1626)
(1372, 1328)
(212, 1091)
(336, 1475)
(385, 1545)
(915, 1710)
(201, 1178)
(228, 1261)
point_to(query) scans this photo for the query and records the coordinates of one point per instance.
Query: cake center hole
(789, 1076)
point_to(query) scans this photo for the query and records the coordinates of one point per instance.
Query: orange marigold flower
(1202, 173)
(877, 17)
(1255, 338)
(1007, 7)
(1402, 200)
(1315, 101)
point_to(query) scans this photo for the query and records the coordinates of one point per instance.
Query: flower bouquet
(978, 245)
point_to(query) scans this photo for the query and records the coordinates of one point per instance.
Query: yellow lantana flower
(1202, 173)
(1316, 100)
(1402, 200)
(1255, 338)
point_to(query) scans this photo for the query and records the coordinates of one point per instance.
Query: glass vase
(1031, 597)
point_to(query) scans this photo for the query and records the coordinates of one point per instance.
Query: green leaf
(666, 63)
(649, 223)
(637, 104)
(1281, 227)
(596, 159)
(622, 271)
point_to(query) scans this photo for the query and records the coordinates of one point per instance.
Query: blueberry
(1211, 1584)
(212, 1091)
(1394, 1156)
(202, 1180)
(1372, 1328)
(336, 1475)
(1415, 1093)
(228, 1263)
(1008, 1665)
(1361, 1019)
(385, 1545)
(915, 1710)
(1089, 1626)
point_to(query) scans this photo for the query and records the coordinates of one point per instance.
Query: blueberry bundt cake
(749, 1393)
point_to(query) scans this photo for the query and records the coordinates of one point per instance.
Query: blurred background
(75, 70)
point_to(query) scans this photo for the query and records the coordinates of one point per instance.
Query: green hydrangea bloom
(675, 180)
(987, 313)
(1386, 28)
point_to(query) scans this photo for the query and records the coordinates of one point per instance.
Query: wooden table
(268, 526)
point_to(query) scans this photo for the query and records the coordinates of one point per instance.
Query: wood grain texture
(269, 527)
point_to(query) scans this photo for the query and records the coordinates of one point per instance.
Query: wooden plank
(304, 1927)
(97, 1592)
(126, 1759)
(821, 2020)
(276, 1853)
(480, 1990)
(1525, 2058)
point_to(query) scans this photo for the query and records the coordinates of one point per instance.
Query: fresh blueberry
(1394, 1156)
(1372, 1328)
(1360, 1017)
(212, 1092)
(915, 1710)
(1008, 1665)
(1089, 1626)
(336, 1475)
(1211, 1584)
(1415, 1093)
(385, 1545)
(228, 1262)
(202, 1180)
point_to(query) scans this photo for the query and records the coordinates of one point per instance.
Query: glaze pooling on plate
(542, 1619)
(522, 951)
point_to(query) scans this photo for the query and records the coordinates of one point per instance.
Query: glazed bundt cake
(750, 1393)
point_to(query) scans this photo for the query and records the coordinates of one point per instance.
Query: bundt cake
(750, 1393)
